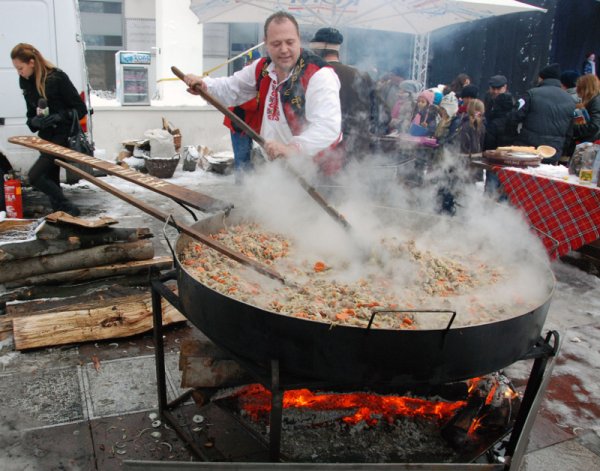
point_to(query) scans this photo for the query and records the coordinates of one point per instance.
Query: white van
(53, 27)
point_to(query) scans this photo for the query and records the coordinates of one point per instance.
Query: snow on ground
(573, 396)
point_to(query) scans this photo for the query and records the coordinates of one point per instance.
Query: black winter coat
(589, 131)
(62, 98)
(499, 130)
(547, 114)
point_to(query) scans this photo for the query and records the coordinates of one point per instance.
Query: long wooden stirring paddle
(315, 195)
(167, 218)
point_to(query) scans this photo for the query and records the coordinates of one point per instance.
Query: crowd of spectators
(561, 111)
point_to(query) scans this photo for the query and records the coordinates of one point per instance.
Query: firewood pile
(135, 151)
(82, 263)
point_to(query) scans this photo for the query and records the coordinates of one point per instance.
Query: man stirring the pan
(297, 93)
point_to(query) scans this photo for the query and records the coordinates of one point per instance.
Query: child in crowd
(448, 122)
(424, 118)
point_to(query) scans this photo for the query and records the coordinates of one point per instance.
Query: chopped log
(5, 328)
(36, 247)
(92, 299)
(94, 273)
(112, 234)
(204, 365)
(53, 240)
(29, 293)
(44, 306)
(129, 316)
(85, 258)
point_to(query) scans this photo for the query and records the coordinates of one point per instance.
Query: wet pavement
(89, 406)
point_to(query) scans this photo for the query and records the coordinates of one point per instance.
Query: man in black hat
(499, 129)
(546, 113)
(498, 107)
(357, 94)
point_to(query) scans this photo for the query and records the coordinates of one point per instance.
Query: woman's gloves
(44, 122)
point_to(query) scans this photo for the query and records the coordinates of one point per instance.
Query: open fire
(479, 412)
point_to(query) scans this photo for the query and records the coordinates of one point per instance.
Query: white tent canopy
(403, 16)
(417, 17)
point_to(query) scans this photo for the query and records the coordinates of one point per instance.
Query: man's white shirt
(322, 108)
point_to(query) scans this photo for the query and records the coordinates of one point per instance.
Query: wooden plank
(180, 194)
(94, 273)
(130, 316)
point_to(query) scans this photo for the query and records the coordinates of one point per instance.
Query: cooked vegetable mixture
(319, 292)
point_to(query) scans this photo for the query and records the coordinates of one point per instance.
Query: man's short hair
(279, 17)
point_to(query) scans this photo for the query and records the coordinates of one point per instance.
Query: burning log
(85, 258)
(94, 273)
(491, 407)
(124, 317)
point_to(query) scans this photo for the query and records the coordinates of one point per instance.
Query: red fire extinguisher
(13, 198)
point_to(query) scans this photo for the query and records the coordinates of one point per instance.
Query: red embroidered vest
(292, 98)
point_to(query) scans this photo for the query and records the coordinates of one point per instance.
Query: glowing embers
(255, 401)
(447, 424)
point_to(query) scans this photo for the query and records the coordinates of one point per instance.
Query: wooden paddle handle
(315, 195)
(223, 109)
(188, 230)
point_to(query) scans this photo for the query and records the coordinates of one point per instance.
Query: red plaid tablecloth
(566, 215)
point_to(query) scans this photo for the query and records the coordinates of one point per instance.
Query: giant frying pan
(313, 351)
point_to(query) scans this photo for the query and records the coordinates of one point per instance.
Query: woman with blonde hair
(51, 100)
(472, 130)
(588, 89)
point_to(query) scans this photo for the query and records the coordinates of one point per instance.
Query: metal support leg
(159, 351)
(164, 408)
(276, 413)
(539, 378)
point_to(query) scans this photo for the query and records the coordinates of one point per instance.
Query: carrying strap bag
(78, 140)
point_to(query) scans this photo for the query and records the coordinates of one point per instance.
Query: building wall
(139, 8)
